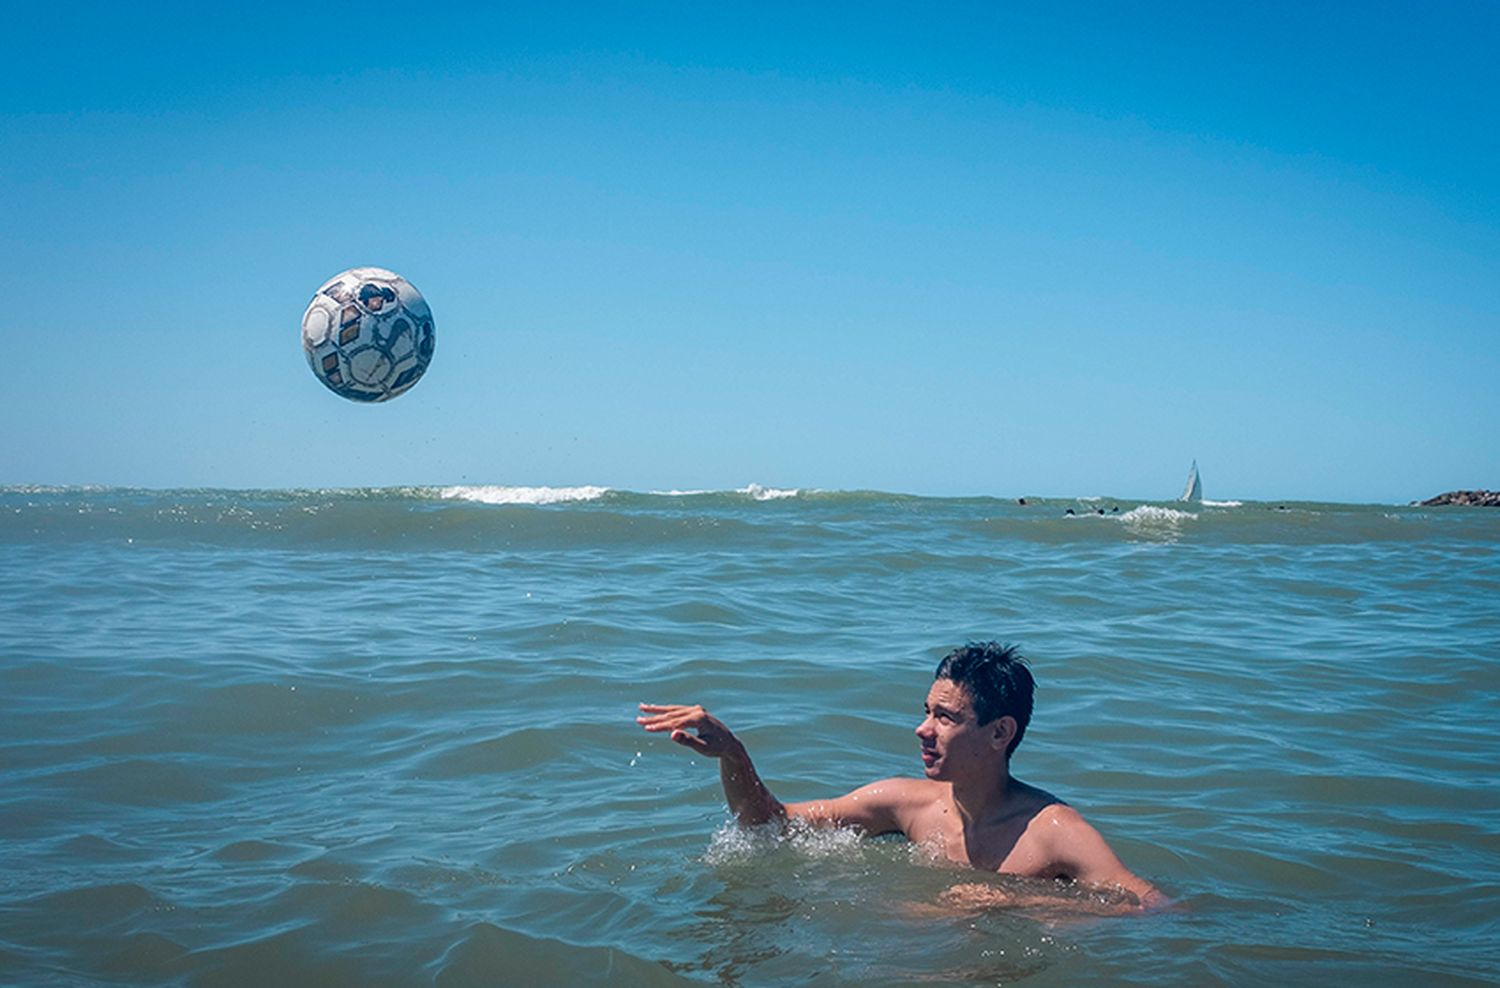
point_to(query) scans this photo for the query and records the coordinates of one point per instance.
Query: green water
(387, 737)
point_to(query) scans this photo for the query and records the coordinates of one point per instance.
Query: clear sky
(933, 248)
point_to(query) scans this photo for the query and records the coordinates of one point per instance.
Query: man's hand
(712, 738)
(1042, 898)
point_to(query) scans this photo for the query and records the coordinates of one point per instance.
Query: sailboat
(1194, 489)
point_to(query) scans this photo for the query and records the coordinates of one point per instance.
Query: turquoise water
(386, 737)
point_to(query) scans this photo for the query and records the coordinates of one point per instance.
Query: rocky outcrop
(1481, 499)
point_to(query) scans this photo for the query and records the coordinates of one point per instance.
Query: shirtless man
(968, 808)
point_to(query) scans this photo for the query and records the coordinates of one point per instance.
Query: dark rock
(1480, 499)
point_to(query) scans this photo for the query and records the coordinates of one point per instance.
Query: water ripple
(380, 737)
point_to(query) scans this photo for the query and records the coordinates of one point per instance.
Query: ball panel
(317, 321)
(375, 297)
(350, 324)
(370, 365)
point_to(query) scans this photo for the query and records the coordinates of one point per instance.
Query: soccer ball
(368, 334)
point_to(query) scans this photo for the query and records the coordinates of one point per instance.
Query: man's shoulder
(1056, 824)
(1059, 815)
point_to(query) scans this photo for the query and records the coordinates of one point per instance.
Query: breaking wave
(1151, 521)
(768, 493)
(524, 495)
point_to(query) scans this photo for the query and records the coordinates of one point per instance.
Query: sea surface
(386, 737)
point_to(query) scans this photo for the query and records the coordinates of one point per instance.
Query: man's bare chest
(1009, 848)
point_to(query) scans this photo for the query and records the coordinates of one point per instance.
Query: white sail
(1194, 489)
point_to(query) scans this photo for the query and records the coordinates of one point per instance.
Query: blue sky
(940, 249)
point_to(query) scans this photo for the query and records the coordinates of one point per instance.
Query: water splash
(733, 844)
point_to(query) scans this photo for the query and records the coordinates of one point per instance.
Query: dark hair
(997, 681)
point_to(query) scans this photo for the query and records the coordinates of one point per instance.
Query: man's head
(996, 681)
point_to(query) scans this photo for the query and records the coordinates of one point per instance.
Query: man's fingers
(690, 726)
(669, 717)
(667, 722)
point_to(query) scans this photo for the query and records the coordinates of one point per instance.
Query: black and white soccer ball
(368, 334)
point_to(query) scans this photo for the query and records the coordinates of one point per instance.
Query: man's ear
(1003, 730)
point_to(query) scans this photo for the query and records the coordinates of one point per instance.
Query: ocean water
(386, 737)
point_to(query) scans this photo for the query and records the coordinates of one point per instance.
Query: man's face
(954, 744)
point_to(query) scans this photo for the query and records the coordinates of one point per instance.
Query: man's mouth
(929, 757)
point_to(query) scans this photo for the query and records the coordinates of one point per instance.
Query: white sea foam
(768, 493)
(754, 490)
(57, 489)
(734, 844)
(1150, 521)
(1222, 504)
(1150, 514)
(524, 495)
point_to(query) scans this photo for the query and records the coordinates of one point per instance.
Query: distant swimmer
(968, 809)
(1070, 511)
(1020, 500)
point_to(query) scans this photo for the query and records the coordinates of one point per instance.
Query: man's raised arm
(749, 799)
(875, 808)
